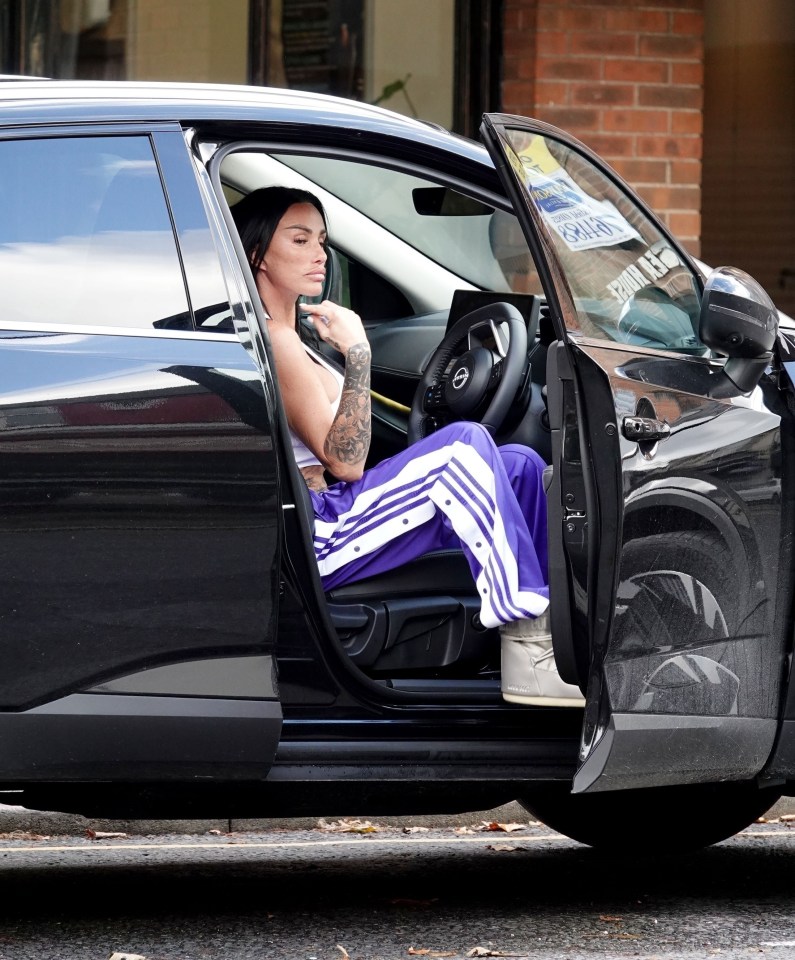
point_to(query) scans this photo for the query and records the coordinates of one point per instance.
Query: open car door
(665, 516)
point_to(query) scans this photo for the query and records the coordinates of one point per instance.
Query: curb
(15, 820)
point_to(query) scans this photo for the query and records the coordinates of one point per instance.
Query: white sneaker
(529, 674)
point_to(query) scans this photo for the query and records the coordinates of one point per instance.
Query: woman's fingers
(337, 325)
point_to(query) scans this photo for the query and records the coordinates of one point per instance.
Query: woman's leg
(454, 486)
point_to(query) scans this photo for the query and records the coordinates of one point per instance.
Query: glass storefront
(410, 55)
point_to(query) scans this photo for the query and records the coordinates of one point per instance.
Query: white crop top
(303, 455)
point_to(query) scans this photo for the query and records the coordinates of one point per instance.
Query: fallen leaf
(504, 848)
(104, 835)
(608, 919)
(416, 829)
(425, 952)
(501, 827)
(348, 826)
(787, 817)
(463, 830)
(345, 954)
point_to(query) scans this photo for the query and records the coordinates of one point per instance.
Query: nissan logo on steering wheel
(460, 378)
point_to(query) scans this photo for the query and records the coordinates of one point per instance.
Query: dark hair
(256, 217)
(258, 214)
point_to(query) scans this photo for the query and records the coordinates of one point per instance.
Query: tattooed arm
(348, 440)
(340, 440)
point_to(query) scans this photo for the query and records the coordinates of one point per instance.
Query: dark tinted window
(85, 234)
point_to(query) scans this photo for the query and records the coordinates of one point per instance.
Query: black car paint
(221, 506)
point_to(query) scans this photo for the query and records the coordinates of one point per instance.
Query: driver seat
(418, 619)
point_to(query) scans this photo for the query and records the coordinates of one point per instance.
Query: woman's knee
(521, 459)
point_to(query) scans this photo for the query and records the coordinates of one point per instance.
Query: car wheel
(664, 819)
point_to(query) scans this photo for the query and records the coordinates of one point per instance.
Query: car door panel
(140, 519)
(666, 518)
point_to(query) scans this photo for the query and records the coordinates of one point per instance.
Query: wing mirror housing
(739, 321)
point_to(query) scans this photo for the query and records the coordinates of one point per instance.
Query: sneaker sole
(544, 701)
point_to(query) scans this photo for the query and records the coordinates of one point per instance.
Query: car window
(629, 282)
(423, 237)
(86, 236)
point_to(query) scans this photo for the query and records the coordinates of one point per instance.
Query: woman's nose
(322, 256)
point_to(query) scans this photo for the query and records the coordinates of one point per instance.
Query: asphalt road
(349, 890)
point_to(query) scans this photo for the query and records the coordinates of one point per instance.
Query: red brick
(685, 171)
(519, 15)
(605, 44)
(553, 42)
(670, 47)
(637, 71)
(674, 147)
(582, 19)
(609, 145)
(524, 68)
(691, 122)
(680, 98)
(569, 118)
(549, 18)
(636, 21)
(684, 73)
(691, 23)
(569, 69)
(552, 92)
(517, 43)
(678, 4)
(602, 94)
(637, 121)
(518, 96)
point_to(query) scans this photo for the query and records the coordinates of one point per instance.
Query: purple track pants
(455, 487)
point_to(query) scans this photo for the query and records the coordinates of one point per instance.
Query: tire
(663, 819)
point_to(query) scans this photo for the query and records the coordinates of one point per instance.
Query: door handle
(645, 429)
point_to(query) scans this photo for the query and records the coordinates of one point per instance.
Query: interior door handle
(645, 429)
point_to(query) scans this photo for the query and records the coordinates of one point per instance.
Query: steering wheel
(474, 372)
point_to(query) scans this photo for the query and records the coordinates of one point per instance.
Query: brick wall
(626, 78)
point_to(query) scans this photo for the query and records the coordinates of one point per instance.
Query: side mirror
(738, 320)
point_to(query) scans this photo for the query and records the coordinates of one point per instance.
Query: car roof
(36, 100)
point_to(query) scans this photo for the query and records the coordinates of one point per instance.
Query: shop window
(438, 60)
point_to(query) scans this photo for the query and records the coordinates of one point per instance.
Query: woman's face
(295, 263)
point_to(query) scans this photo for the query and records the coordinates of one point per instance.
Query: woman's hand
(336, 325)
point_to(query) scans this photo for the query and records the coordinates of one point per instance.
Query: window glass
(629, 283)
(85, 236)
(473, 242)
(396, 53)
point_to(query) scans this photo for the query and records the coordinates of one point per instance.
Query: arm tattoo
(348, 440)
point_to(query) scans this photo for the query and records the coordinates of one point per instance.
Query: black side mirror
(738, 320)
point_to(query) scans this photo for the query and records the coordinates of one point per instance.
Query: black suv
(168, 648)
